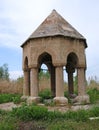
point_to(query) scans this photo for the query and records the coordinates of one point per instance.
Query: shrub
(45, 94)
(16, 99)
(94, 95)
(30, 112)
(34, 112)
(94, 112)
(9, 97)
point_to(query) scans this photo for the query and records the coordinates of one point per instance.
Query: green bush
(4, 98)
(94, 95)
(34, 112)
(45, 94)
(16, 99)
(94, 112)
(30, 112)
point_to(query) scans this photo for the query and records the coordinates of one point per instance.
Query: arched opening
(26, 78)
(44, 78)
(46, 68)
(71, 68)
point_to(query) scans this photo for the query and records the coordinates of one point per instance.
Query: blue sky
(18, 19)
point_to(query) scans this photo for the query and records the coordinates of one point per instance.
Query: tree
(4, 72)
(44, 75)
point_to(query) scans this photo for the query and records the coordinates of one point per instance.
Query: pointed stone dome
(56, 25)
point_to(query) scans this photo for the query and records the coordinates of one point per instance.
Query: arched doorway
(71, 66)
(46, 59)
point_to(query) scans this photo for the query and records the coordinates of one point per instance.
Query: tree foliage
(44, 75)
(4, 72)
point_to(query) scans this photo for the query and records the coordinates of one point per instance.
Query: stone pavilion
(56, 44)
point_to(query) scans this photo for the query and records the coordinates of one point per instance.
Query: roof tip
(53, 10)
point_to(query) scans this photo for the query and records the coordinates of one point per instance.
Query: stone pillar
(59, 82)
(70, 83)
(34, 82)
(82, 97)
(33, 86)
(81, 81)
(26, 86)
(70, 68)
(52, 72)
(60, 99)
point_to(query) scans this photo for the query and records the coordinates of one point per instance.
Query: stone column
(52, 72)
(60, 99)
(81, 81)
(26, 86)
(34, 82)
(59, 82)
(70, 83)
(70, 68)
(82, 97)
(34, 86)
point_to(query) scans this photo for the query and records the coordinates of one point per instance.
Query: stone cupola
(56, 44)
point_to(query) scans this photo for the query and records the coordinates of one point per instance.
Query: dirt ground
(10, 105)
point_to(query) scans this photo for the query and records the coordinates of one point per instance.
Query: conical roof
(55, 25)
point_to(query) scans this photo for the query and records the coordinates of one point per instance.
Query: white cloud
(15, 74)
(20, 19)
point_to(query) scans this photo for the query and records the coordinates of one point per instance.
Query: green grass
(37, 117)
(34, 112)
(4, 98)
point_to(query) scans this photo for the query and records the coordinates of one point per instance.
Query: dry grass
(11, 86)
(16, 86)
(44, 84)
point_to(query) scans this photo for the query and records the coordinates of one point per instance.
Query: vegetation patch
(4, 98)
(40, 118)
(94, 95)
(45, 94)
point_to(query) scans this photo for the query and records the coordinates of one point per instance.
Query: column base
(31, 100)
(60, 101)
(24, 98)
(82, 99)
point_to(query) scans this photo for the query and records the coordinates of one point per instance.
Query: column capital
(33, 66)
(70, 70)
(59, 64)
(26, 69)
(81, 67)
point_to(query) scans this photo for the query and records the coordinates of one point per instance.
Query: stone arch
(72, 51)
(42, 51)
(46, 58)
(73, 59)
